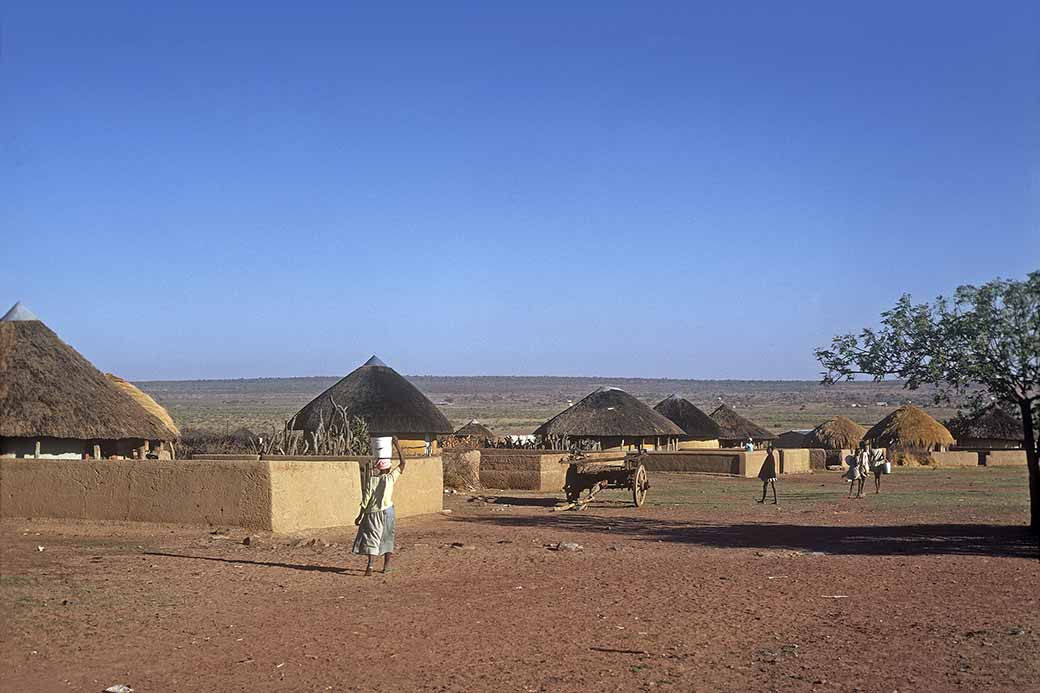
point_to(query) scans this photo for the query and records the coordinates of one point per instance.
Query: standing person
(855, 476)
(768, 474)
(878, 465)
(864, 459)
(376, 521)
(749, 445)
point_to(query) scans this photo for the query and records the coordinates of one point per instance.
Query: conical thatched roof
(686, 415)
(47, 389)
(475, 428)
(909, 427)
(146, 401)
(735, 427)
(839, 433)
(379, 395)
(609, 412)
(993, 423)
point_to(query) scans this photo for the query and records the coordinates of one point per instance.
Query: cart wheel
(639, 486)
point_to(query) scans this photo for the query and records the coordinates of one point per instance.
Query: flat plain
(930, 586)
(517, 405)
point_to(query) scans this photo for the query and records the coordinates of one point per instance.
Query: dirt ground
(931, 586)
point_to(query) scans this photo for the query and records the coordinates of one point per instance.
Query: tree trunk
(1032, 464)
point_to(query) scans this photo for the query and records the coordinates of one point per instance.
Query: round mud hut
(474, 435)
(991, 429)
(735, 429)
(910, 429)
(839, 433)
(388, 403)
(56, 404)
(475, 429)
(699, 429)
(612, 419)
(793, 439)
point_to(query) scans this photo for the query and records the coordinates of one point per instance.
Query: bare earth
(702, 589)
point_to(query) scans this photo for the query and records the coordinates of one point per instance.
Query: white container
(383, 447)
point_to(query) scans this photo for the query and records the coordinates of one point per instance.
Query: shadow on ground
(1003, 541)
(272, 564)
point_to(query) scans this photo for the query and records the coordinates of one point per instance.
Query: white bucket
(886, 468)
(383, 447)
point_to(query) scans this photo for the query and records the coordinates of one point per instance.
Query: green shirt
(379, 492)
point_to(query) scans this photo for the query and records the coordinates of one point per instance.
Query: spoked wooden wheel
(639, 486)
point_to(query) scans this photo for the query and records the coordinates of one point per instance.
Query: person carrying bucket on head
(376, 520)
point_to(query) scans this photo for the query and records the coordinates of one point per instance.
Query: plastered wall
(282, 495)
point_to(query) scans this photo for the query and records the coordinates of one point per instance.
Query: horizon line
(547, 377)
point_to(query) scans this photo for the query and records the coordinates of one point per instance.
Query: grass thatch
(734, 427)
(684, 414)
(792, 439)
(609, 412)
(839, 433)
(476, 429)
(993, 423)
(47, 389)
(380, 396)
(909, 427)
(146, 401)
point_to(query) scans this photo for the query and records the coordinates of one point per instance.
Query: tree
(985, 340)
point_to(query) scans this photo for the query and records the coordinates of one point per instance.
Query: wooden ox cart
(590, 475)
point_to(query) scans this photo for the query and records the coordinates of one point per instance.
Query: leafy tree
(985, 340)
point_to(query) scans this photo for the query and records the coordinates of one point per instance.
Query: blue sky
(692, 190)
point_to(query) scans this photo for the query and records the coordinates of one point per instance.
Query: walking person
(376, 521)
(768, 474)
(878, 466)
(856, 476)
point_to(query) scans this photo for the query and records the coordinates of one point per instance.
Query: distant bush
(198, 441)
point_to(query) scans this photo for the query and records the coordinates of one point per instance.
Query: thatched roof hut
(146, 401)
(735, 428)
(795, 438)
(475, 429)
(687, 416)
(49, 390)
(911, 428)
(388, 403)
(614, 417)
(839, 433)
(991, 428)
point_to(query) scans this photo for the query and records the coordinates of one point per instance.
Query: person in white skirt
(859, 467)
(376, 521)
(878, 465)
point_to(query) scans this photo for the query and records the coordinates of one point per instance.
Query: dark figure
(768, 474)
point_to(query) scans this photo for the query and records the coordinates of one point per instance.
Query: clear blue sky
(697, 190)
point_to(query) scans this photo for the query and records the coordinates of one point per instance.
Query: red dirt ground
(702, 589)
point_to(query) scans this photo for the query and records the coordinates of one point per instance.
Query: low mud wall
(1003, 458)
(283, 495)
(533, 470)
(723, 461)
(959, 458)
(794, 461)
(699, 444)
(703, 461)
(461, 468)
(733, 462)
